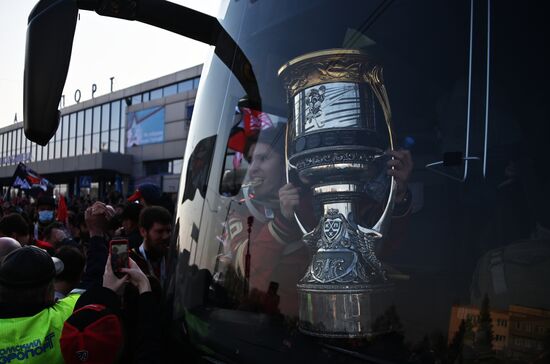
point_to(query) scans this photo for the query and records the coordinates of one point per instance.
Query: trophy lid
(326, 66)
(320, 54)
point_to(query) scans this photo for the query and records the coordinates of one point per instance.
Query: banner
(26, 179)
(145, 126)
(85, 181)
(12, 159)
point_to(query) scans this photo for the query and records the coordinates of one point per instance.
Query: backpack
(516, 274)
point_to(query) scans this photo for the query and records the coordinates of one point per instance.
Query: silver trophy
(336, 139)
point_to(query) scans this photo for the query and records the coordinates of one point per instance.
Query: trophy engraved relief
(336, 139)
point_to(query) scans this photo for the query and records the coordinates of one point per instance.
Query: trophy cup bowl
(336, 139)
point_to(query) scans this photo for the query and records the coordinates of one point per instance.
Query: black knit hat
(28, 266)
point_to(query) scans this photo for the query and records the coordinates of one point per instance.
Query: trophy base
(343, 311)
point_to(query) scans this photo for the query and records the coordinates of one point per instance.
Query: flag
(251, 123)
(255, 120)
(62, 211)
(26, 179)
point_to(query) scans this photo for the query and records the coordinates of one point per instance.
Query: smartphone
(119, 255)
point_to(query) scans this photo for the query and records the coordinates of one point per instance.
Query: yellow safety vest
(35, 339)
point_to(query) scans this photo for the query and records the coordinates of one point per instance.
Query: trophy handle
(287, 166)
(375, 78)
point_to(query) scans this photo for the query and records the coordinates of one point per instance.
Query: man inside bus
(277, 259)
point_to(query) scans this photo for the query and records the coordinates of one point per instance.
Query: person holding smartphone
(119, 255)
(138, 318)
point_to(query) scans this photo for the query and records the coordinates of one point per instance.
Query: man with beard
(155, 227)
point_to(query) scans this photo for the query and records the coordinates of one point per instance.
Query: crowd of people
(61, 300)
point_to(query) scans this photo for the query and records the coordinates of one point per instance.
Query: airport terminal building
(114, 141)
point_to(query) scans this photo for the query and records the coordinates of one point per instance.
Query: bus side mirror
(50, 32)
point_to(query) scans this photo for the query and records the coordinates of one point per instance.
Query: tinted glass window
(96, 119)
(87, 144)
(65, 126)
(95, 143)
(89, 121)
(80, 123)
(170, 90)
(185, 86)
(156, 94)
(115, 115)
(51, 149)
(115, 136)
(305, 237)
(105, 118)
(136, 99)
(72, 125)
(104, 141)
(58, 149)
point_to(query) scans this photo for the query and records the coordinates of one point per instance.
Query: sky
(103, 47)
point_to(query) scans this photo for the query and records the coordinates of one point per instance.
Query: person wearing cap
(130, 224)
(30, 319)
(101, 331)
(147, 194)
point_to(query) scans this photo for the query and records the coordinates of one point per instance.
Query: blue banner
(145, 126)
(85, 181)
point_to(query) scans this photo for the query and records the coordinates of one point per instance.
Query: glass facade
(96, 129)
(173, 166)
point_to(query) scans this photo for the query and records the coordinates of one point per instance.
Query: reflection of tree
(438, 345)
(390, 345)
(484, 335)
(431, 349)
(457, 344)
(237, 297)
(234, 286)
(545, 356)
(389, 321)
(472, 343)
